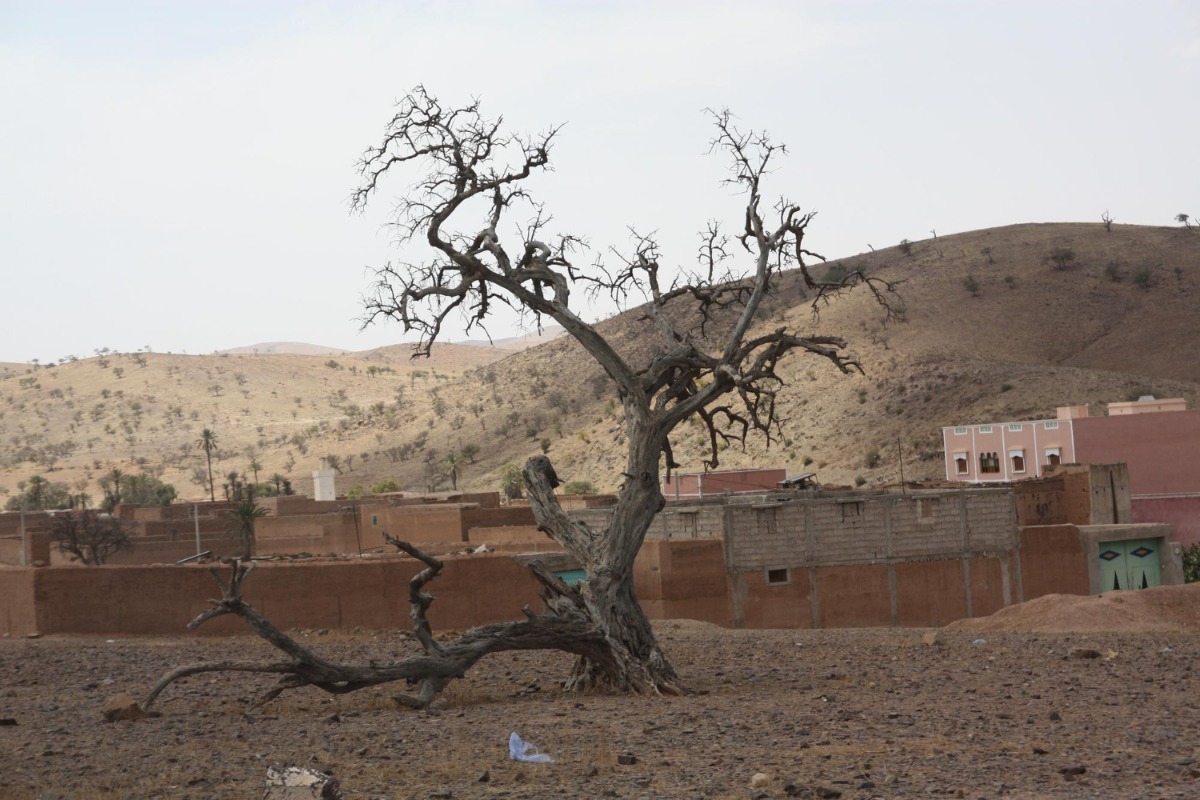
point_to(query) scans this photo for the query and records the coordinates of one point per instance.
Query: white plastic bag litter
(521, 750)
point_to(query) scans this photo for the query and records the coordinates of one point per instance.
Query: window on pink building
(1053, 456)
(960, 463)
(989, 463)
(1018, 460)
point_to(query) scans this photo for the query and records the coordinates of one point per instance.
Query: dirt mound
(1164, 609)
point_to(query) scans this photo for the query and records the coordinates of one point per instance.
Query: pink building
(999, 452)
(1158, 439)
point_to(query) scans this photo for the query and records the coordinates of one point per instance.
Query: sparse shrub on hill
(1010, 281)
(39, 494)
(986, 252)
(1184, 220)
(905, 247)
(1112, 271)
(971, 285)
(579, 487)
(873, 459)
(1107, 219)
(1061, 257)
(1143, 278)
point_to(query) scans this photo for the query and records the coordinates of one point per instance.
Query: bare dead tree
(712, 360)
(88, 536)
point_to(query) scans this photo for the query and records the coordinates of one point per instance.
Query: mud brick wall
(372, 593)
(683, 580)
(1053, 561)
(18, 615)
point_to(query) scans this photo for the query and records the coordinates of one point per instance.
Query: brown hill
(1115, 322)
(1159, 610)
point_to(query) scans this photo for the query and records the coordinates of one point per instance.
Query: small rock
(1083, 652)
(1040, 751)
(441, 794)
(122, 706)
(792, 789)
(626, 759)
(591, 772)
(1055, 716)
(932, 638)
(1071, 772)
(484, 777)
(826, 792)
(7, 722)
(759, 780)
(33, 635)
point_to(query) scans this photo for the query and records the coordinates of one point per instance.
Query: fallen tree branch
(566, 627)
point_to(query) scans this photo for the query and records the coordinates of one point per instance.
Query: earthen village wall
(782, 559)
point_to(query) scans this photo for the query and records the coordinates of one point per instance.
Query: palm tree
(208, 440)
(278, 480)
(37, 492)
(453, 459)
(255, 467)
(112, 484)
(241, 524)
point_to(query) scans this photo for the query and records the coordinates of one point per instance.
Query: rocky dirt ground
(996, 713)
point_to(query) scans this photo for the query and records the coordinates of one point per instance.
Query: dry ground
(864, 713)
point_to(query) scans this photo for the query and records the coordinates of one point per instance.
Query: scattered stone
(122, 706)
(1040, 751)
(759, 780)
(441, 794)
(1055, 716)
(792, 789)
(591, 772)
(7, 722)
(33, 635)
(299, 783)
(626, 759)
(1083, 652)
(333, 718)
(932, 638)
(826, 792)
(484, 777)
(1070, 772)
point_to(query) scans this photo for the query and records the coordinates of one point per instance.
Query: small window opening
(1018, 460)
(927, 507)
(960, 463)
(777, 577)
(989, 463)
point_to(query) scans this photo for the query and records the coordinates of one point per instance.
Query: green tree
(453, 459)
(511, 481)
(579, 487)
(112, 485)
(208, 440)
(39, 494)
(240, 524)
(386, 485)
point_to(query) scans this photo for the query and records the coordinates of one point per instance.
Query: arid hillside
(1006, 323)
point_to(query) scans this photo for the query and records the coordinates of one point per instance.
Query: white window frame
(966, 470)
(985, 428)
(1014, 454)
(1052, 425)
(1052, 451)
(960, 431)
(1015, 427)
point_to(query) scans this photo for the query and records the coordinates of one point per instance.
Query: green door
(1132, 564)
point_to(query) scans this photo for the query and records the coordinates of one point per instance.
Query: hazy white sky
(174, 174)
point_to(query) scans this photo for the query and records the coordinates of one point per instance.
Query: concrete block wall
(869, 529)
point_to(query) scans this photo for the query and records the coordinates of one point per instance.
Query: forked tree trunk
(637, 662)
